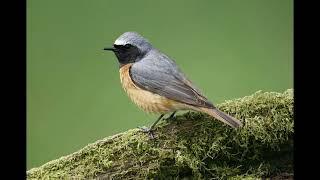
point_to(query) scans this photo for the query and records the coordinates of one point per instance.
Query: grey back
(157, 73)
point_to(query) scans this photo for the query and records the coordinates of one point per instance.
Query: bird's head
(130, 47)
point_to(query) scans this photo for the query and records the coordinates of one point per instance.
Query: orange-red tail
(216, 113)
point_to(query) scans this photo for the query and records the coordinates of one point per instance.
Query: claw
(150, 132)
(171, 117)
(168, 119)
(144, 129)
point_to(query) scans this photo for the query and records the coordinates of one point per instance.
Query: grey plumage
(163, 77)
(155, 72)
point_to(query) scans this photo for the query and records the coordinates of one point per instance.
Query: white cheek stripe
(120, 42)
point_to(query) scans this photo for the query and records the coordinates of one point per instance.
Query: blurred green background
(229, 48)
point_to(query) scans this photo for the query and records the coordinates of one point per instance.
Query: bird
(156, 84)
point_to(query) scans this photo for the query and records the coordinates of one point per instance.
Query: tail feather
(227, 119)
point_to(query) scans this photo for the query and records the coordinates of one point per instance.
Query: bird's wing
(159, 74)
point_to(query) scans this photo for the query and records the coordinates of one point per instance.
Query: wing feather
(159, 74)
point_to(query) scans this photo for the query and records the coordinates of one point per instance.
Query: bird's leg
(150, 130)
(171, 116)
(154, 124)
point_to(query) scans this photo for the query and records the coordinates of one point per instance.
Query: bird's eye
(127, 46)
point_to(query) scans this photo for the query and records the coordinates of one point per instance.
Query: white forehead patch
(120, 42)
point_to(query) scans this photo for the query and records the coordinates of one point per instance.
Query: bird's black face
(125, 53)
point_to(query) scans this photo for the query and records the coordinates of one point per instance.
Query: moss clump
(192, 146)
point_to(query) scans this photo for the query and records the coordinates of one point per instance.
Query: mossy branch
(192, 146)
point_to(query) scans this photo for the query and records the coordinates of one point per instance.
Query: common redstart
(155, 83)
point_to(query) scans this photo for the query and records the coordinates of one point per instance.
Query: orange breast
(147, 101)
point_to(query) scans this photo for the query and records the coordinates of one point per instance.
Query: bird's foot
(170, 118)
(150, 132)
(144, 129)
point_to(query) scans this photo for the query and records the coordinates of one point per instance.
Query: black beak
(109, 49)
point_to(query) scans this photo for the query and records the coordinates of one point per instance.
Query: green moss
(192, 146)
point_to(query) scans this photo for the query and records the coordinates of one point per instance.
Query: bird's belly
(146, 100)
(150, 102)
